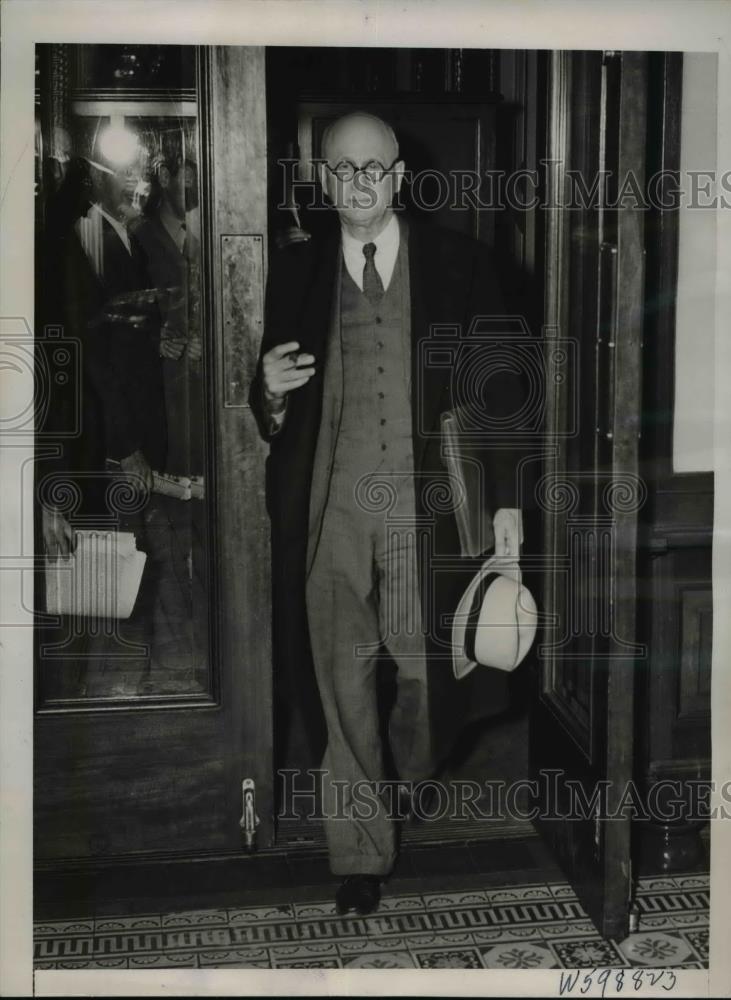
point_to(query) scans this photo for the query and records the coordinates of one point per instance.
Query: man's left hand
(195, 349)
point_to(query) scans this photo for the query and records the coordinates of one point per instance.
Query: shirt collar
(118, 226)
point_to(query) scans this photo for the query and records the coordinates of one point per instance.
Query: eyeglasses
(346, 170)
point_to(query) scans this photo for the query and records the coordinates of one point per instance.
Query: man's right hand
(172, 344)
(284, 370)
(136, 467)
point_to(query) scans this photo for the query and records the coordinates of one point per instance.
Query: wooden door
(157, 768)
(581, 742)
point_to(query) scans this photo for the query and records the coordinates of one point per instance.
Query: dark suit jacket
(118, 391)
(166, 269)
(69, 293)
(123, 356)
(451, 282)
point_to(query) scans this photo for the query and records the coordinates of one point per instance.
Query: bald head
(359, 137)
(362, 198)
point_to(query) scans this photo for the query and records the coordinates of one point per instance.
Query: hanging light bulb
(118, 145)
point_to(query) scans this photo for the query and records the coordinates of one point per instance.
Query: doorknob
(249, 820)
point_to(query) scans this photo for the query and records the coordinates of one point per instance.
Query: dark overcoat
(452, 282)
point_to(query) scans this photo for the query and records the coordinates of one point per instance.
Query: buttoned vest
(375, 434)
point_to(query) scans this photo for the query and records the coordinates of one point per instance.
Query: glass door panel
(126, 612)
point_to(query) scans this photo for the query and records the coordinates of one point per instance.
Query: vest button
(383, 421)
(383, 447)
(380, 370)
(381, 395)
(378, 319)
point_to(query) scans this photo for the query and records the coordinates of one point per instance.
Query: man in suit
(93, 287)
(122, 344)
(175, 529)
(356, 483)
(170, 255)
(93, 283)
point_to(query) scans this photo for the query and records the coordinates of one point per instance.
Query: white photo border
(704, 25)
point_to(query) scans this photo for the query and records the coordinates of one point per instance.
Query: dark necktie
(372, 284)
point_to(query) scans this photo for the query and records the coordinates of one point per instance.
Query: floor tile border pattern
(529, 926)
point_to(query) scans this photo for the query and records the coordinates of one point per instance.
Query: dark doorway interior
(482, 109)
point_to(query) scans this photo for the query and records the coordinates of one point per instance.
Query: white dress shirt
(90, 230)
(387, 244)
(119, 227)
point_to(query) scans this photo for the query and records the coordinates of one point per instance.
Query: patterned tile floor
(516, 927)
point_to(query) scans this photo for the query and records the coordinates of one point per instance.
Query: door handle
(249, 820)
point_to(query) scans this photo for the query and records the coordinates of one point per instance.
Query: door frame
(594, 270)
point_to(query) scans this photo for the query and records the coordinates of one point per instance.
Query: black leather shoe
(416, 805)
(361, 893)
(404, 805)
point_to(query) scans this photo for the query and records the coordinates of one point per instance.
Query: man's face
(361, 196)
(173, 185)
(111, 189)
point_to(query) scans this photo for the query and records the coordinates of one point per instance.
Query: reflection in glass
(119, 288)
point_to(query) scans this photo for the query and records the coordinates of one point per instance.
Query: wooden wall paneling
(696, 633)
(678, 526)
(675, 555)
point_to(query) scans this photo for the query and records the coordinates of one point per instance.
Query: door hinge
(249, 820)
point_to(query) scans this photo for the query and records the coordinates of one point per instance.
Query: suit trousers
(364, 606)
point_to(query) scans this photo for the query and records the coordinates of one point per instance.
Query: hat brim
(505, 658)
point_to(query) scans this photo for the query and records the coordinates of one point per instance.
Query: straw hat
(496, 619)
